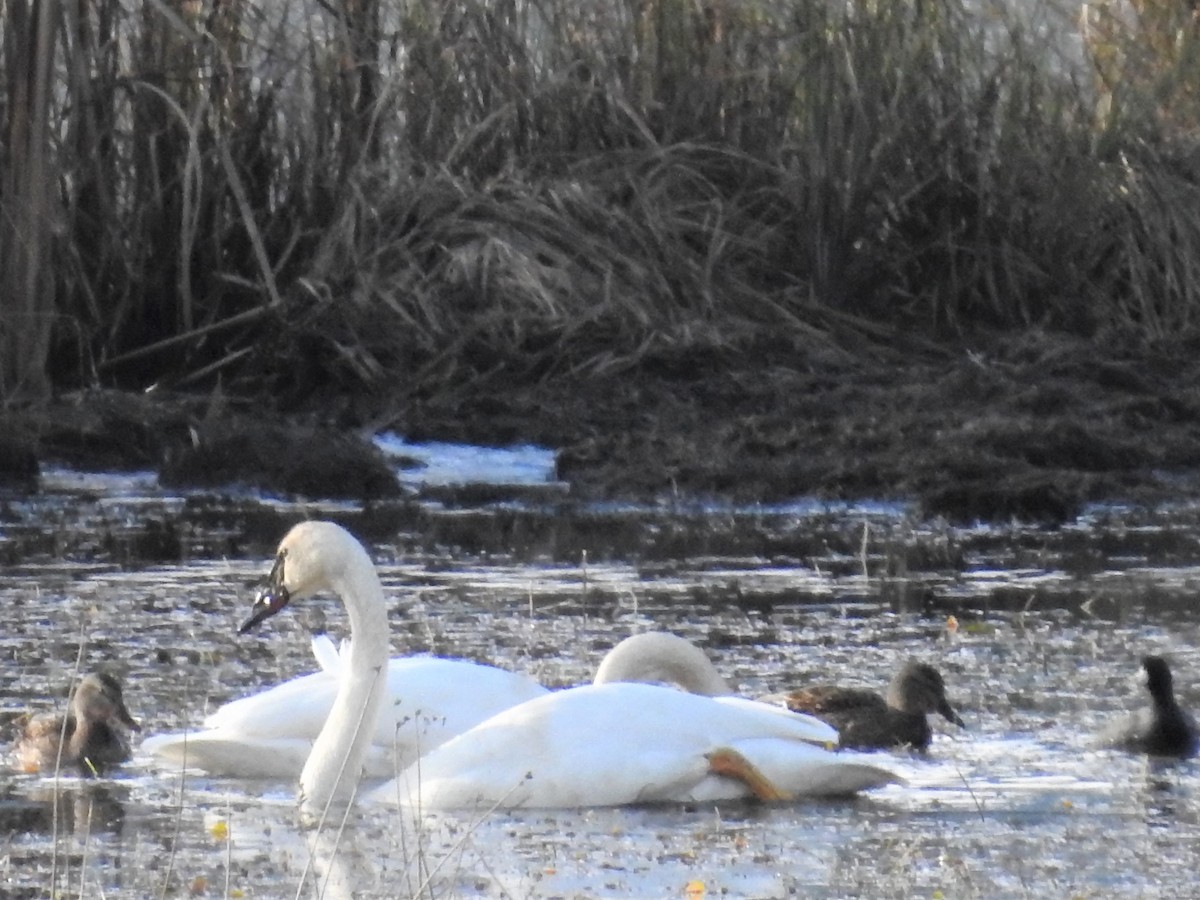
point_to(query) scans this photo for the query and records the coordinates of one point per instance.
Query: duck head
(99, 699)
(919, 688)
(1158, 677)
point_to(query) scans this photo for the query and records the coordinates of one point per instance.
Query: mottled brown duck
(94, 737)
(865, 720)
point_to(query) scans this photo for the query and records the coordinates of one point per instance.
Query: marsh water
(1038, 633)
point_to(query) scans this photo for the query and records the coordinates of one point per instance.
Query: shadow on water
(1037, 631)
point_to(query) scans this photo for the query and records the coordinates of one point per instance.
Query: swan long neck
(335, 764)
(662, 658)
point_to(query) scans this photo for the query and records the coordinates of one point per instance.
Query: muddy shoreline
(1033, 430)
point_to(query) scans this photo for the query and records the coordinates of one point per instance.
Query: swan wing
(444, 696)
(819, 732)
(433, 699)
(327, 654)
(800, 769)
(296, 708)
(217, 753)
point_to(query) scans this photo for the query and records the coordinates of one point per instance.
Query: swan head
(312, 557)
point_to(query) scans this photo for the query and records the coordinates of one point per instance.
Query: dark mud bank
(1032, 431)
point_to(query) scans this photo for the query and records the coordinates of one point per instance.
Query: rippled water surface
(1050, 626)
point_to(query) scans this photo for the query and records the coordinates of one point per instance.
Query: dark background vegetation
(750, 247)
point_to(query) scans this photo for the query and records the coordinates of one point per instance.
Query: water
(1050, 627)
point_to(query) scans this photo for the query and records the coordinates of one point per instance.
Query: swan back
(657, 657)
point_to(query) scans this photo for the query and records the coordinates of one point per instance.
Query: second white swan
(270, 734)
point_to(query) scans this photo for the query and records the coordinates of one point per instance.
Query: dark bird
(1163, 728)
(94, 737)
(865, 720)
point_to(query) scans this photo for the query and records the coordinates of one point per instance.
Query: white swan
(599, 744)
(615, 744)
(271, 734)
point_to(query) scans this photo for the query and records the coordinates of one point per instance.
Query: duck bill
(949, 714)
(125, 718)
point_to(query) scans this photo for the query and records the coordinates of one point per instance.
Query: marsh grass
(438, 193)
(441, 194)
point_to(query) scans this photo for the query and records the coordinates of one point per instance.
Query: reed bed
(426, 193)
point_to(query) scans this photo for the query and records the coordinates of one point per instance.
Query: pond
(1049, 629)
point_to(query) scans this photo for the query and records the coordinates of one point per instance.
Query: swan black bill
(267, 602)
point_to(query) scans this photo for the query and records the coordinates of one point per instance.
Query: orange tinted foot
(731, 764)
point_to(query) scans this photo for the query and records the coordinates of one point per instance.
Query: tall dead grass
(428, 193)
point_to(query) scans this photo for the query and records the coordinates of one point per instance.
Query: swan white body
(271, 734)
(615, 744)
(601, 744)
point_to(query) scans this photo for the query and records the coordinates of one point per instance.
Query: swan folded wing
(218, 754)
(818, 732)
(432, 699)
(798, 769)
(429, 699)
(525, 782)
(294, 709)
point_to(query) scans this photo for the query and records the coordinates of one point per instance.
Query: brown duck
(865, 720)
(94, 738)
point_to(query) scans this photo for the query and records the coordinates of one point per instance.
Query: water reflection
(65, 835)
(329, 863)
(73, 806)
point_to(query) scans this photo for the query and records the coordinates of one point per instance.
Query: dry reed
(435, 194)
